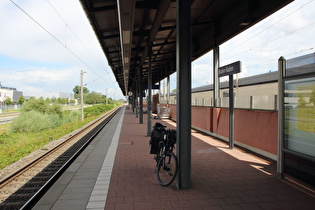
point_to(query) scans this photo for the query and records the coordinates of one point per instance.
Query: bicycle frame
(166, 161)
(165, 148)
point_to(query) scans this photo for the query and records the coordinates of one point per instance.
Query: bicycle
(166, 160)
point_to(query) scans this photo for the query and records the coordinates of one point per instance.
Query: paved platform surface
(118, 173)
(84, 185)
(221, 178)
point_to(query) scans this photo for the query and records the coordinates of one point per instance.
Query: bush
(42, 106)
(38, 115)
(55, 109)
(34, 121)
(14, 146)
(71, 116)
(39, 105)
(97, 110)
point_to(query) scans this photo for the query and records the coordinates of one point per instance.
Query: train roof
(252, 80)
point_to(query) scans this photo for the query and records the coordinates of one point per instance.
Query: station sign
(154, 87)
(230, 69)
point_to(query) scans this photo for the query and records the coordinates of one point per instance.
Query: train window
(299, 115)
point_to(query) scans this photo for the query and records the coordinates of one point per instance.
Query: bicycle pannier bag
(172, 137)
(156, 137)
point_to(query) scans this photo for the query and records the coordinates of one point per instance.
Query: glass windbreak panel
(299, 120)
(301, 65)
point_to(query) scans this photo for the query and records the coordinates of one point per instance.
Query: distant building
(9, 92)
(14, 95)
(28, 95)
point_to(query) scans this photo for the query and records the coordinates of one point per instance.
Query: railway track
(8, 117)
(24, 187)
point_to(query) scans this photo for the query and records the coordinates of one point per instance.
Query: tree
(48, 100)
(77, 90)
(8, 101)
(93, 98)
(21, 100)
(301, 101)
(39, 105)
(55, 109)
(42, 106)
(53, 99)
(62, 101)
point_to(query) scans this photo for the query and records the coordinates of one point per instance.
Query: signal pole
(81, 95)
(106, 97)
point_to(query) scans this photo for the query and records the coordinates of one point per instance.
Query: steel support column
(231, 111)
(140, 96)
(136, 99)
(168, 89)
(281, 74)
(160, 91)
(133, 102)
(164, 89)
(216, 81)
(183, 108)
(149, 102)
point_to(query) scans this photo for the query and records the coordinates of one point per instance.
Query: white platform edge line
(99, 194)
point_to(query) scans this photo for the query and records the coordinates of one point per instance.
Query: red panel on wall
(258, 129)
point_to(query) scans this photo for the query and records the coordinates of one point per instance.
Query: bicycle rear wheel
(166, 169)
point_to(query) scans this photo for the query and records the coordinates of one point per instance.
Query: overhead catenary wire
(276, 38)
(271, 25)
(77, 37)
(286, 53)
(67, 26)
(269, 63)
(82, 43)
(55, 38)
(72, 31)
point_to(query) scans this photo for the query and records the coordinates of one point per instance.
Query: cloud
(289, 33)
(46, 55)
(201, 74)
(40, 34)
(41, 79)
(45, 46)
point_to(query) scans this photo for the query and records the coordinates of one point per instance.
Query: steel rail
(18, 171)
(35, 198)
(100, 123)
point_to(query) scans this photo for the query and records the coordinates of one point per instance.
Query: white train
(255, 92)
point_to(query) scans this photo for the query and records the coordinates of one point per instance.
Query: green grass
(4, 127)
(301, 123)
(16, 145)
(306, 119)
(10, 111)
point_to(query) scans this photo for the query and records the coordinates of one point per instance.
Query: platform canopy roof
(126, 29)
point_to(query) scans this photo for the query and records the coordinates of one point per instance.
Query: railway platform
(117, 172)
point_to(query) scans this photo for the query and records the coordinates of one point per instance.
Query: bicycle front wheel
(167, 169)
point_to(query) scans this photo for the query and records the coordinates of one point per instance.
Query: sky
(45, 44)
(289, 33)
(44, 48)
